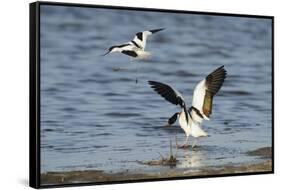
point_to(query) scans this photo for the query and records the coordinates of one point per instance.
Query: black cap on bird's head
(111, 48)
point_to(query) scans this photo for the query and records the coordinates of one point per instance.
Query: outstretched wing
(129, 53)
(167, 92)
(205, 90)
(140, 38)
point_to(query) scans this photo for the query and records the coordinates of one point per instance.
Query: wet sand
(56, 178)
(265, 152)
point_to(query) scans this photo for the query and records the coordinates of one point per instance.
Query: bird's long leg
(136, 67)
(137, 72)
(195, 142)
(185, 145)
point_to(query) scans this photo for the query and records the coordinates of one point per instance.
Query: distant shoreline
(56, 178)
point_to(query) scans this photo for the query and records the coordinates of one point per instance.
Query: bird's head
(172, 120)
(147, 33)
(111, 50)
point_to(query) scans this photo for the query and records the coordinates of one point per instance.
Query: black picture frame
(34, 91)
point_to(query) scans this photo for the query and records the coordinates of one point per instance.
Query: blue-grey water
(95, 118)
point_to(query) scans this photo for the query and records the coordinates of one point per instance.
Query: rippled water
(95, 118)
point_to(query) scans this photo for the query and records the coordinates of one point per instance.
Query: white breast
(191, 128)
(183, 123)
(142, 54)
(196, 130)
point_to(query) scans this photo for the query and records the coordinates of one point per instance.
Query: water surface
(93, 118)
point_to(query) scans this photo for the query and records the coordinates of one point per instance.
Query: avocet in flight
(190, 120)
(135, 48)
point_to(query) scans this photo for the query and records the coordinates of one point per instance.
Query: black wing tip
(222, 70)
(216, 79)
(154, 85)
(153, 82)
(165, 91)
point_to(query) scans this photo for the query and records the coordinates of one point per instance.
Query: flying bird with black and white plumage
(135, 48)
(190, 120)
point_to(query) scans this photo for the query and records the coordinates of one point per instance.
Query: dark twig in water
(171, 150)
(162, 157)
(177, 145)
(170, 161)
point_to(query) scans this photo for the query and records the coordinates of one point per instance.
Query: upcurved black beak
(167, 125)
(156, 30)
(105, 53)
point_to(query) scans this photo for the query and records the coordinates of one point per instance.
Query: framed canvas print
(120, 94)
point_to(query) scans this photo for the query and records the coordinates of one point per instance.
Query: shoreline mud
(56, 178)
